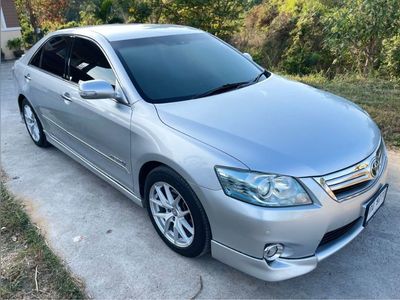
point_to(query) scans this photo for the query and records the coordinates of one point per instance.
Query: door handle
(27, 77)
(66, 97)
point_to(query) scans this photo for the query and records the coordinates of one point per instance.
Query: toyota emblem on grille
(375, 165)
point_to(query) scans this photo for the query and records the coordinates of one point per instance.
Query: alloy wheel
(171, 214)
(31, 123)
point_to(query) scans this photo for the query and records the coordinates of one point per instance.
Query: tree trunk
(369, 56)
(32, 19)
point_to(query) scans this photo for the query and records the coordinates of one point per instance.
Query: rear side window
(52, 56)
(88, 62)
(36, 60)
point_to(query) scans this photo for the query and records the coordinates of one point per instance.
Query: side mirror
(97, 89)
(248, 56)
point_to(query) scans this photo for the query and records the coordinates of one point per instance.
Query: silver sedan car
(270, 175)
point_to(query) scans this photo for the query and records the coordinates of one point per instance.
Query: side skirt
(83, 161)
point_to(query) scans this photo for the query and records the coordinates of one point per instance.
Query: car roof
(117, 32)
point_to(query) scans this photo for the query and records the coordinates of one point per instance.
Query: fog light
(273, 251)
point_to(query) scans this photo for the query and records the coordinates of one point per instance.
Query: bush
(265, 33)
(328, 36)
(295, 36)
(28, 36)
(53, 26)
(306, 52)
(391, 56)
(14, 44)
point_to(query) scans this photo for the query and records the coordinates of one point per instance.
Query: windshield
(181, 67)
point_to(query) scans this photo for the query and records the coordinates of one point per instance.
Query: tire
(196, 244)
(33, 125)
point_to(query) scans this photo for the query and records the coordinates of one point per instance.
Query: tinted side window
(54, 55)
(88, 63)
(36, 59)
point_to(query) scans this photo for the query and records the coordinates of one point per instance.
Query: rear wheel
(176, 213)
(33, 125)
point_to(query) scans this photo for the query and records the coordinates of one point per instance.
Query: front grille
(337, 233)
(355, 179)
(349, 190)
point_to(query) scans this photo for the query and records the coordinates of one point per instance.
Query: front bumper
(241, 231)
(282, 268)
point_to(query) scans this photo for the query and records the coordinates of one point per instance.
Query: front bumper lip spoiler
(282, 268)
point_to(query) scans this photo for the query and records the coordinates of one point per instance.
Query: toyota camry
(269, 175)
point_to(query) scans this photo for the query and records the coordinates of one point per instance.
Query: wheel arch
(21, 98)
(149, 162)
(156, 161)
(150, 165)
(145, 169)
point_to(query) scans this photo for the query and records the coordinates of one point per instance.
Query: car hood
(278, 126)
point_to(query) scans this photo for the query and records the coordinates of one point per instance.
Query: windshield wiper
(221, 89)
(259, 76)
(230, 86)
(255, 80)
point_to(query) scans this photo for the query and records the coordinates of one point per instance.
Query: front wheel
(33, 125)
(176, 213)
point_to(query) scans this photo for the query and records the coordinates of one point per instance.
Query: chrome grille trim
(364, 173)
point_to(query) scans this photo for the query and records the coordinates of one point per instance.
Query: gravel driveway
(110, 243)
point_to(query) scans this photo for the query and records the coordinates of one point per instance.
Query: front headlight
(262, 189)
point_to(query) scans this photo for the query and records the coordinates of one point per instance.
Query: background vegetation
(293, 36)
(350, 47)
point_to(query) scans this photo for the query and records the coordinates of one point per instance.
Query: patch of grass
(379, 97)
(29, 269)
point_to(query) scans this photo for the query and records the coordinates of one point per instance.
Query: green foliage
(219, 17)
(14, 44)
(329, 36)
(265, 33)
(305, 53)
(26, 26)
(49, 26)
(295, 36)
(88, 15)
(391, 56)
(100, 12)
(108, 12)
(357, 29)
(105, 10)
(140, 12)
(26, 32)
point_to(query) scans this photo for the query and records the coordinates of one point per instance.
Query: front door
(98, 130)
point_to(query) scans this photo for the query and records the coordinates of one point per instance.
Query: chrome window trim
(72, 36)
(48, 73)
(40, 48)
(358, 173)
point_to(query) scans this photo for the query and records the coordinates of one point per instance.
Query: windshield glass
(181, 67)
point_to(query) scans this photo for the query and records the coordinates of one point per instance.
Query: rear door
(45, 77)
